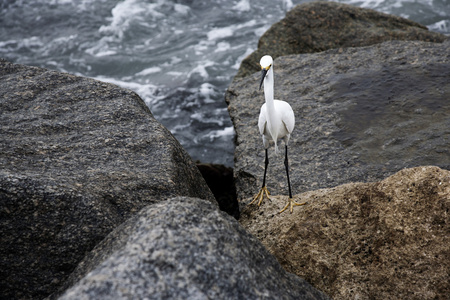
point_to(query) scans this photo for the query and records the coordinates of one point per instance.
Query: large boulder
(381, 240)
(362, 114)
(319, 26)
(77, 158)
(184, 248)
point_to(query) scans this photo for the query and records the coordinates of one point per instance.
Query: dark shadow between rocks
(219, 179)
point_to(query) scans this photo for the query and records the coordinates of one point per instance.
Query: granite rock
(77, 158)
(382, 240)
(362, 114)
(319, 26)
(184, 248)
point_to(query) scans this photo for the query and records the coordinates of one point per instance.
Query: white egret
(276, 121)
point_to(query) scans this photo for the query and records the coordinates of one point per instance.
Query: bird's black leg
(291, 201)
(259, 197)
(266, 163)
(286, 164)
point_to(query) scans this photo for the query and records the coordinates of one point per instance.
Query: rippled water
(179, 56)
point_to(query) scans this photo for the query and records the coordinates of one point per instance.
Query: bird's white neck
(268, 88)
(273, 120)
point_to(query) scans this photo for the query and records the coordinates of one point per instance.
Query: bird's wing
(287, 115)
(262, 121)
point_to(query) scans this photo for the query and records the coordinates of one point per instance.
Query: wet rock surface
(362, 114)
(319, 26)
(381, 240)
(184, 248)
(77, 158)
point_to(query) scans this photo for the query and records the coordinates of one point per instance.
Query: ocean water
(178, 55)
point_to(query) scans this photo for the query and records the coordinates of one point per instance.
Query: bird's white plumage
(276, 121)
(276, 118)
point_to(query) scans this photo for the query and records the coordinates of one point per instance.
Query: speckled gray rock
(362, 114)
(185, 248)
(319, 26)
(77, 158)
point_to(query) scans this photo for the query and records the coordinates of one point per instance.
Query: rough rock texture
(362, 114)
(185, 248)
(318, 26)
(77, 157)
(382, 240)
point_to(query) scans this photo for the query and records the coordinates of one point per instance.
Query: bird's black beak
(263, 75)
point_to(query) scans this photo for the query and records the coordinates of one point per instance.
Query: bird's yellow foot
(260, 196)
(291, 203)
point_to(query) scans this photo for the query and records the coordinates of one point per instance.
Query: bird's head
(266, 63)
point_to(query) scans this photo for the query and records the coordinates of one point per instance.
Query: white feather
(276, 119)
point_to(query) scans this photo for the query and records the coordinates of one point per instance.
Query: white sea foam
(129, 11)
(181, 9)
(260, 31)
(181, 127)
(443, 25)
(207, 91)
(243, 5)
(287, 5)
(149, 71)
(146, 91)
(8, 46)
(201, 47)
(32, 42)
(105, 53)
(201, 69)
(383, 4)
(175, 73)
(362, 3)
(224, 32)
(221, 133)
(202, 117)
(52, 63)
(220, 33)
(101, 47)
(247, 52)
(222, 46)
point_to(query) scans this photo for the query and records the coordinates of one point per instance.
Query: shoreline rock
(319, 26)
(382, 240)
(78, 157)
(184, 248)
